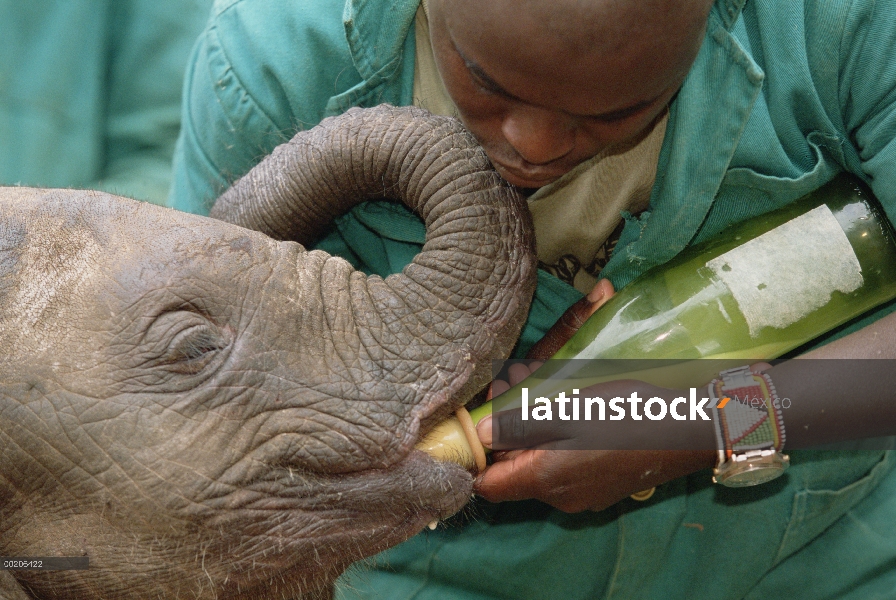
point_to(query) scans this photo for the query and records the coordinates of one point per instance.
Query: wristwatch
(749, 428)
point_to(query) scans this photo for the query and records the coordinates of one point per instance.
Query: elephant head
(207, 412)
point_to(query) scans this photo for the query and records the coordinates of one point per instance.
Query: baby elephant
(206, 412)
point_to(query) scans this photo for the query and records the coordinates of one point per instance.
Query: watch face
(752, 472)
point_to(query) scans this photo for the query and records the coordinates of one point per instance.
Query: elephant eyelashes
(193, 349)
(184, 342)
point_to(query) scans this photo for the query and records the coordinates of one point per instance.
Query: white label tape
(783, 275)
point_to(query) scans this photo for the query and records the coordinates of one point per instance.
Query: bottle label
(783, 275)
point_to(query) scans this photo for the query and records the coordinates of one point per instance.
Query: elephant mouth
(365, 511)
(416, 491)
(396, 479)
(324, 522)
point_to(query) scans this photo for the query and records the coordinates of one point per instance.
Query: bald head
(585, 25)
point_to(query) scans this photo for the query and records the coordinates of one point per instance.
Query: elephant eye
(191, 350)
(184, 342)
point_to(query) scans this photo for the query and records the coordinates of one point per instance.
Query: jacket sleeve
(260, 72)
(149, 44)
(867, 94)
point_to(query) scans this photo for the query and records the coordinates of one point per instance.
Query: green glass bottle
(755, 291)
(758, 289)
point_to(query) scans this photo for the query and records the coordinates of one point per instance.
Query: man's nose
(538, 135)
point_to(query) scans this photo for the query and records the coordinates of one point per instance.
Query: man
(661, 121)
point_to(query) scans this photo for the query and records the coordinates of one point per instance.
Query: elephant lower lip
(423, 487)
(368, 511)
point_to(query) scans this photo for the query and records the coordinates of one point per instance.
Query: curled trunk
(464, 298)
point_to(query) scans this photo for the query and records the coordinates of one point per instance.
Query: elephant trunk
(463, 299)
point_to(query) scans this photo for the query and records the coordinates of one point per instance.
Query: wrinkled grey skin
(206, 412)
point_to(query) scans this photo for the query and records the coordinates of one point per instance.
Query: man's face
(547, 84)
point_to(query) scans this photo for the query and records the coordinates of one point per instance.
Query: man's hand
(579, 479)
(576, 480)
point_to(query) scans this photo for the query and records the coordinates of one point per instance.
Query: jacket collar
(380, 36)
(376, 32)
(728, 11)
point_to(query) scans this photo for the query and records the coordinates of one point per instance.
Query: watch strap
(746, 414)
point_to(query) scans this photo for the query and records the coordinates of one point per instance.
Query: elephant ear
(465, 297)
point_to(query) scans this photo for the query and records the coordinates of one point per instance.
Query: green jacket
(783, 95)
(90, 91)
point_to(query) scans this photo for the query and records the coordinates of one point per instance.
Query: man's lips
(528, 178)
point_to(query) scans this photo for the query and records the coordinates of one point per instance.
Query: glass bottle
(743, 294)
(755, 291)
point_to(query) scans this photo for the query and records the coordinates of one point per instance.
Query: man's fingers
(499, 386)
(562, 330)
(517, 372)
(574, 317)
(511, 479)
(509, 431)
(554, 478)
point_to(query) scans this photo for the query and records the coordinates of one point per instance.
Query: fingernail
(596, 293)
(484, 430)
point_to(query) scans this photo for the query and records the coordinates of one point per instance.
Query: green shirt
(782, 96)
(90, 91)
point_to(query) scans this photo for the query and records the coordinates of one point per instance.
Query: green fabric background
(90, 91)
